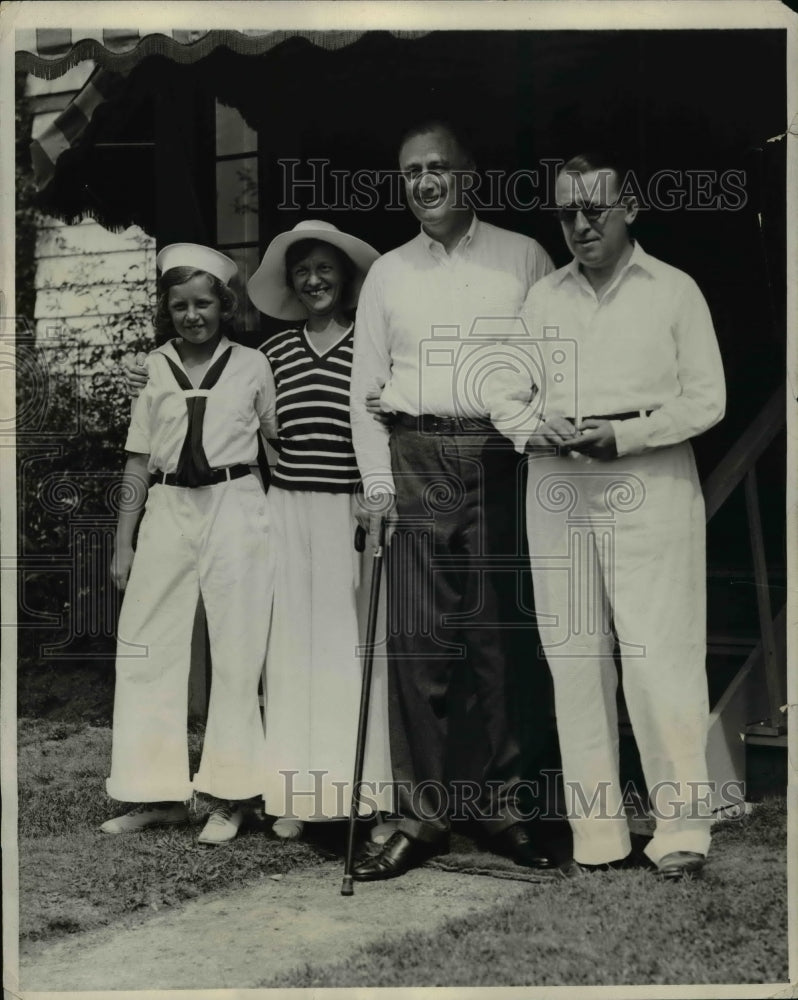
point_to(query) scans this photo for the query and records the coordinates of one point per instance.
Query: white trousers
(215, 540)
(623, 543)
(312, 681)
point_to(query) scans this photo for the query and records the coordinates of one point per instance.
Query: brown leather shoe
(399, 854)
(516, 842)
(681, 864)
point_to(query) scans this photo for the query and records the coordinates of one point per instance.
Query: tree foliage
(26, 212)
(72, 417)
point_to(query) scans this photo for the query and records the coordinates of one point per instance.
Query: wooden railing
(739, 466)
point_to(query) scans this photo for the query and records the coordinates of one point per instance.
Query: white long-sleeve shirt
(426, 323)
(647, 344)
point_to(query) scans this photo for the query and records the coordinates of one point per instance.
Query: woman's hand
(373, 406)
(134, 373)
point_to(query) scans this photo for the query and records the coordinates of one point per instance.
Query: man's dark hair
(456, 131)
(592, 160)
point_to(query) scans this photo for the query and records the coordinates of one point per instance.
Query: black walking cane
(365, 695)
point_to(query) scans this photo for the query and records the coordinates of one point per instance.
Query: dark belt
(428, 423)
(217, 476)
(629, 415)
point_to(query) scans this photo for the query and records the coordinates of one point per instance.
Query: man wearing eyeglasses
(615, 517)
(449, 483)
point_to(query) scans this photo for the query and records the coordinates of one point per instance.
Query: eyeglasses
(592, 213)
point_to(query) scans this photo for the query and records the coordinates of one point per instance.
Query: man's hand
(380, 505)
(121, 561)
(373, 405)
(135, 374)
(361, 511)
(595, 438)
(556, 431)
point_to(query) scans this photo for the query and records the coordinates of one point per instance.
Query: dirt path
(243, 939)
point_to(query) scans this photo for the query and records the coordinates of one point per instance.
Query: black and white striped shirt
(315, 437)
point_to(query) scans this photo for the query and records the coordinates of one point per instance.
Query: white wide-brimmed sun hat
(267, 288)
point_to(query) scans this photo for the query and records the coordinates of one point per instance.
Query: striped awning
(49, 52)
(68, 128)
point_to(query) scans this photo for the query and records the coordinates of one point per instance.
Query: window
(237, 201)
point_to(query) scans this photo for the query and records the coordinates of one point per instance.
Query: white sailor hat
(200, 257)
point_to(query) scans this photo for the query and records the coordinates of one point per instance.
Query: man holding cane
(448, 485)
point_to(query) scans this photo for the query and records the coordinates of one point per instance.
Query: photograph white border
(343, 15)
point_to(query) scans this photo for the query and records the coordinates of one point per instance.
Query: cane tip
(347, 889)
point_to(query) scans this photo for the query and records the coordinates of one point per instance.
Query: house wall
(94, 288)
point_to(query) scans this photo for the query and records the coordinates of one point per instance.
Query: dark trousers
(454, 566)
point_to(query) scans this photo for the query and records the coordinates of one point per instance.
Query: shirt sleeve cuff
(630, 435)
(137, 443)
(380, 481)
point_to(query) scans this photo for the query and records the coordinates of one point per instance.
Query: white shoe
(147, 814)
(222, 825)
(288, 829)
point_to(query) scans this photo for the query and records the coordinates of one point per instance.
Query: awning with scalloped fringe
(49, 52)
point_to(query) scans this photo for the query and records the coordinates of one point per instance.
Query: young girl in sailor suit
(192, 439)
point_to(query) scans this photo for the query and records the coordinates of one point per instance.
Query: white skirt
(312, 678)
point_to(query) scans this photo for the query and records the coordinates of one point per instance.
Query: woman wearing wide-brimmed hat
(311, 276)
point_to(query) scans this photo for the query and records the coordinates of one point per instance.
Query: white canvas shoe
(288, 829)
(222, 825)
(147, 814)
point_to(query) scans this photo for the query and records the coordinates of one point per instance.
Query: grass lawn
(610, 928)
(73, 877)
